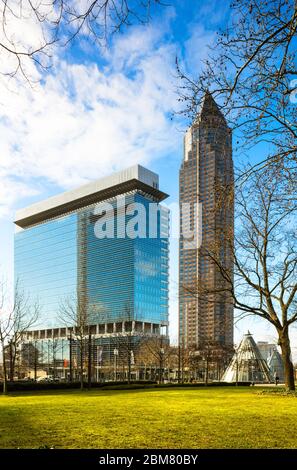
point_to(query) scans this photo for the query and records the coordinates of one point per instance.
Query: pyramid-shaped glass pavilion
(276, 366)
(247, 364)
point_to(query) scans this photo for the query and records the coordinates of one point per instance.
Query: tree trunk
(90, 362)
(5, 391)
(160, 371)
(206, 372)
(284, 342)
(70, 360)
(129, 344)
(129, 367)
(179, 365)
(11, 368)
(35, 363)
(13, 364)
(82, 365)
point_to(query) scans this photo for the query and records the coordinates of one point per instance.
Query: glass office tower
(120, 277)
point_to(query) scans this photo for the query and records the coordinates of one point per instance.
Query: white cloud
(10, 192)
(197, 48)
(23, 31)
(83, 122)
(215, 12)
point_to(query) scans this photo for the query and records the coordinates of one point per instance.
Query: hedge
(20, 386)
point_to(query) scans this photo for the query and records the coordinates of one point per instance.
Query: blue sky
(99, 110)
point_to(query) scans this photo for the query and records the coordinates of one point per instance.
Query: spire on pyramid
(209, 105)
(209, 108)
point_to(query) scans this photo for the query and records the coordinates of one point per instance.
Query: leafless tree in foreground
(264, 280)
(210, 357)
(157, 351)
(15, 320)
(126, 345)
(251, 71)
(74, 313)
(30, 29)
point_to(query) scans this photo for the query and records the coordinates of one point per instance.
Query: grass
(170, 418)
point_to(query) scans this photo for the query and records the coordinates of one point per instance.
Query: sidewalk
(270, 385)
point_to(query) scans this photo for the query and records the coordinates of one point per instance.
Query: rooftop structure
(134, 178)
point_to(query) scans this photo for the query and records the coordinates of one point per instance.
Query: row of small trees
(152, 358)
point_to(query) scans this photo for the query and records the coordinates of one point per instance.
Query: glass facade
(46, 265)
(119, 279)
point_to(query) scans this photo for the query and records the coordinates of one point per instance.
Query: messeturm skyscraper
(206, 177)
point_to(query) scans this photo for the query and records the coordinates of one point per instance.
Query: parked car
(41, 379)
(49, 379)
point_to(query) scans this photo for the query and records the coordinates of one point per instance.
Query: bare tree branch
(59, 22)
(249, 71)
(15, 320)
(264, 280)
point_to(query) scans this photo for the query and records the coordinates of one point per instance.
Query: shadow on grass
(176, 418)
(108, 391)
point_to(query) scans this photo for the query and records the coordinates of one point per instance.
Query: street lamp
(116, 354)
(69, 337)
(162, 351)
(99, 363)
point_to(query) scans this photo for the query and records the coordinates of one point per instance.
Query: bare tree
(57, 23)
(30, 357)
(183, 361)
(251, 71)
(73, 312)
(157, 351)
(265, 258)
(211, 357)
(127, 343)
(15, 320)
(205, 354)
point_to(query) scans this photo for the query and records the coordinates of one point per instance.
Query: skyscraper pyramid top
(209, 108)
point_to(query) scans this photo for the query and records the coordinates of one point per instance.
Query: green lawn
(174, 418)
